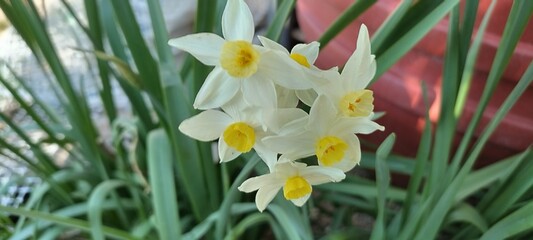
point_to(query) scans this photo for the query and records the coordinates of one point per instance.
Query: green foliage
(149, 181)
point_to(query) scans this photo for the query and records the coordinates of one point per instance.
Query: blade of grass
(383, 183)
(160, 165)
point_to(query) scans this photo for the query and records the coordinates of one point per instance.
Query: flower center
(296, 187)
(330, 150)
(357, 104)
(239, 58)
(301, 59)
(240, 136)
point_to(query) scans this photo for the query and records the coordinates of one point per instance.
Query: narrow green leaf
(422, 157)
(466, 77)
(466, 213)
(392, 21)
(232, 195)
(515, 223)
(445, 129)
(489, 176)
(344, 20)
(436, 217)
(248, 221)
(284, 220)
(282, 14)
(516, 186)
(518, 18)
(94, 207)
(161, 174)
(65, 221)
(415, 34)
(383, 183)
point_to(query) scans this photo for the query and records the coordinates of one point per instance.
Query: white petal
(252, 184)
(237, 21)
(301, 201)
(272, 44)
(361, 66)
(225, 152)
(281, 69)
(322, 114)
(301, 145)
(205, 47)
(268, 156)
(217, 90)
(307, 96)
(318, 175)
(206, 126)
(287, 98)
(259, 92)
(265, 195)
(236, 107)
(367, 126)
(310, 51)
(277, 118)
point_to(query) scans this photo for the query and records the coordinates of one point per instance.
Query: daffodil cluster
(250, 100)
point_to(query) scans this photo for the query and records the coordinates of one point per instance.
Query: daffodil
(240, 66)
(324, 134)
(296, 179)
(237, 127)
(349, 91)
(305, 55)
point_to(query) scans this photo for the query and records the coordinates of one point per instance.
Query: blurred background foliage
(143, 179)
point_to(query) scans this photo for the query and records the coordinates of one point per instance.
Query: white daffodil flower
(305, 55)
(239, 65)
(237, 128)
(348, 89)
(324, 134)
(296, 179)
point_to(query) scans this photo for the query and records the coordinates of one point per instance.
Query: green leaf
(95, 201)
(422, 157)
(383, 183)
(65, 221)
(519, 221)
(466, 213)
(347, 17)
(232, 194)
(415, 34)
(161, 175)
(282, 14)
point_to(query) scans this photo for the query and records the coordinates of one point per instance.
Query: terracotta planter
(398, 91)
